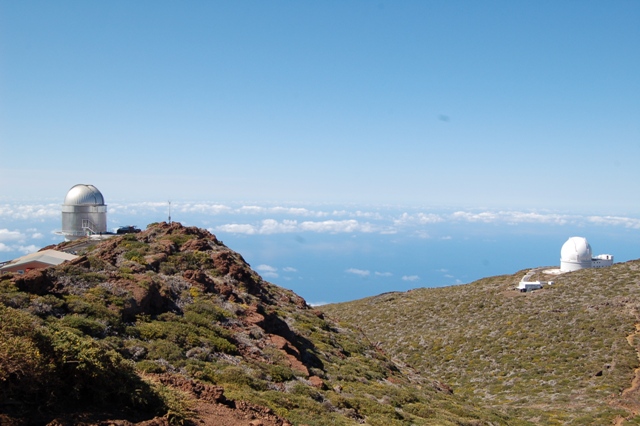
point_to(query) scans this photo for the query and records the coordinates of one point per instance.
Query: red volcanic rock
(252, 316)
(222, 261)
(199, 277)
(316, 382)
(36, 281)
(196, 245)
(292, 354)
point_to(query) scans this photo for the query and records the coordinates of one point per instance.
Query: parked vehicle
(129, 229)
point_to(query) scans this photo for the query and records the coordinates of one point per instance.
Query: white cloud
(273, 226)
(474, 217)
(266, 268)
(252, 209)
(512, 217)
(298, 211)
(267, 271)
(410, 278)
(28, 249)
(280, 219)
(30, 211)
(359, 272)
(615, 220)
(336, 226)
(4, 247)
(236, 228)
(384, 274)
(289, 269)
(418, 218)
(358, 213)
(201, 208)
(6, 235)
(281, 210)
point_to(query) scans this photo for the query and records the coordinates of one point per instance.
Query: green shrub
(135, 256)
(207, 309)
(280, 373)
(238, 377)
(179, 239)
(153, 367)
(87, 326)
(37, 362)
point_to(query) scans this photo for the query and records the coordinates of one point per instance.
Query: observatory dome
(83, 212)
(575, 254)
(84, 195)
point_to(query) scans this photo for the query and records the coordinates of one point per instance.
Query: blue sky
(344, 148)
(495, 104)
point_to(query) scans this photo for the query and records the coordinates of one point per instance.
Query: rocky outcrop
(193, 318)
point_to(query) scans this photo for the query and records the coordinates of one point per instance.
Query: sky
(494, 104)
(344, 148)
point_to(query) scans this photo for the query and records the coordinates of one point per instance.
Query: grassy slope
(166, 301)
(561, 355)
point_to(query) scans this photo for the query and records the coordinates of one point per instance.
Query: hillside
(565, 354)
(169, 326)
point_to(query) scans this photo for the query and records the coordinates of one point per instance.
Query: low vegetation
(115, 330)
(560, 355)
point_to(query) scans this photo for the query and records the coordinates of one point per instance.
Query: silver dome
(84, 195)
(83, 212)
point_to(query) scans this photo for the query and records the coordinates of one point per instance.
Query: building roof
(49, 257)
(82, 195)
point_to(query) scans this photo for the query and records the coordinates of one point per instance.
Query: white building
(525, 286)
(576, 254)
(83, 212)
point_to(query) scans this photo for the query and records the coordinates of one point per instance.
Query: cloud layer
(286, 219)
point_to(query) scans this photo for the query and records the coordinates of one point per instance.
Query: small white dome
(576, 249)
(84, 195)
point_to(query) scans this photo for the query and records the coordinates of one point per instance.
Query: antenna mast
(169, 212)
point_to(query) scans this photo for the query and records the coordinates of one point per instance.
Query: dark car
(130, 229)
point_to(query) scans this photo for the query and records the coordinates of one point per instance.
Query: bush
(237, 376)
(87, 326)
(280, 373)
(37, 362)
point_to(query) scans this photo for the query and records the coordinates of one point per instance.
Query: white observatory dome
(575, 254)
(83, 212)
(84, 195)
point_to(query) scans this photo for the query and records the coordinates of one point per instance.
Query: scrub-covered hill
(169, 326)
(565, 354)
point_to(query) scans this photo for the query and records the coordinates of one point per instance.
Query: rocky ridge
(170, 326)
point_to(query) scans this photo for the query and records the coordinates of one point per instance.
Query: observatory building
(83, 212)
(576, 254)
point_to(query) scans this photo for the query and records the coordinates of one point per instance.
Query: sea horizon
(336, 253)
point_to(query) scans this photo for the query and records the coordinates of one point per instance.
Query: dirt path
(211, 408)
(209, 414)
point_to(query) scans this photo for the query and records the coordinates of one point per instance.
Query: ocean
(329, 254)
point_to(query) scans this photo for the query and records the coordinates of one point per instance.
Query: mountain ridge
(170, 326)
